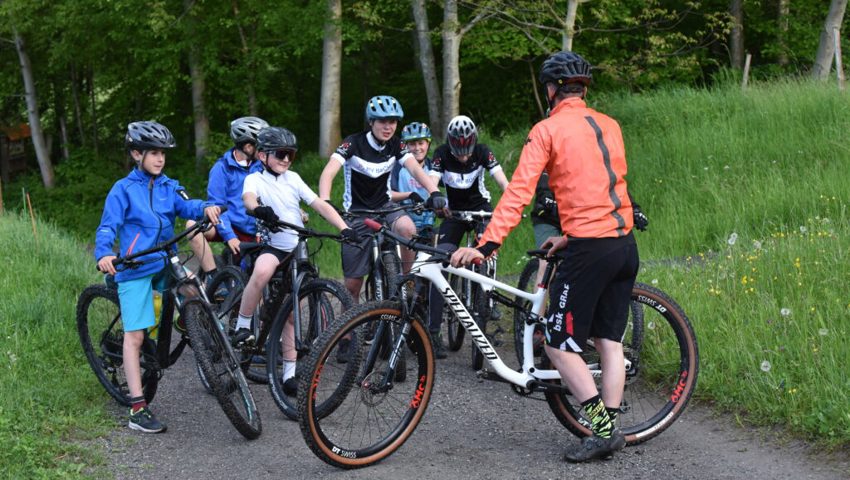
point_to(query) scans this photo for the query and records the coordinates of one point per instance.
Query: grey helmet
(246, 129)
(148, 135)
(383, 106)
(462, 135)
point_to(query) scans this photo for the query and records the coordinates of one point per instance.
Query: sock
(612, 412)
(243, 322)
(137, 403)
(288, 370)
(600, 422)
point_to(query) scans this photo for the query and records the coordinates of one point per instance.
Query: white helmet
(462, 135)
(246, 129)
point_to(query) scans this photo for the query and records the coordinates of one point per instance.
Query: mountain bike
(378, 416)
(319, 302)
(101, 331)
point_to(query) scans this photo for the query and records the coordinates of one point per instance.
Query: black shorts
(452, 230)
(590, 294)
(356, 261)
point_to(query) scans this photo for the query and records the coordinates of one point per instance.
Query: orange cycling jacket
(583, 152)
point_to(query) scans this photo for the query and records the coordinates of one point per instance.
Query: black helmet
(565, 67)
(246, 129)
(148, 136)
(276, 138)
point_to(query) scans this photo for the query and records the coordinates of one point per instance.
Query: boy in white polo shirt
(275, 195)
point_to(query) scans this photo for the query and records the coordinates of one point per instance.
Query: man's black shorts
(590, 294)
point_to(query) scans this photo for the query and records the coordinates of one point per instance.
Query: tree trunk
(451, 62)
(427, 64)
(62, 123)
(736, 36)
(570, 26)
(199, 111)
(75, 95)
(93, 112)
(329, 113)
(783, 10)
(44, 163)
(249, 66)
(826, 47)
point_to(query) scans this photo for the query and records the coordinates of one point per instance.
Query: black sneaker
(290, 387)
(343, 351)
(595, 447)
(242, 337)
(439, 348)
(145, 421)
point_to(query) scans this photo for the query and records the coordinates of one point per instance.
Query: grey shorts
(542, 232)
(357, 262)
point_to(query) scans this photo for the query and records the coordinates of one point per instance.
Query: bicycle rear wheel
(375, 416)
(102, 338)
(221, 368)
(454, 328)
(321, 302)
(661, 349)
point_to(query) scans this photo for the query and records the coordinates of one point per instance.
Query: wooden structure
(13, 150)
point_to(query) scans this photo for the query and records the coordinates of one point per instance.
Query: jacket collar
(571, 102)
(139, 175)
(230, 158)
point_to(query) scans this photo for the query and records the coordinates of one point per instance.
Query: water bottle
(178, 268)
(157, 313)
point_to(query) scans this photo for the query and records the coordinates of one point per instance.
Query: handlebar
(440, 254)
(301, 231)
(381, 212)
(130, 260)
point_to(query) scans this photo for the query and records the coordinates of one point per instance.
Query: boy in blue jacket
(140, 211)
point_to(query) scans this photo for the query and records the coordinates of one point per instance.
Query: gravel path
(473, 429)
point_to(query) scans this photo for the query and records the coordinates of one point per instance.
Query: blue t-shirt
(406, 183)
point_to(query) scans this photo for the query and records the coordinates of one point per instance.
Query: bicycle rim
(322, 302)
(101, 334)
(221, 369)
(369, 423)
(661, 346)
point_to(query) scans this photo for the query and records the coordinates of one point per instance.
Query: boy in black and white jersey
(460, 163)
(367, 159)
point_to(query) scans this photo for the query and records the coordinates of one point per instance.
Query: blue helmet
(383, 106)
(415, 131)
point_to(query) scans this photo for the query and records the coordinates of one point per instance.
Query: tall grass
(49, 400)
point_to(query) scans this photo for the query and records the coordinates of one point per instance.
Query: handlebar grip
(223, 208)
(477, 261)
(372, 224)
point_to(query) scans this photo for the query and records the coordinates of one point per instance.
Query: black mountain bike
(101, 333)
(320, 301)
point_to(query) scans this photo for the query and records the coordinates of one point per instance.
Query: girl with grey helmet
(145, 142)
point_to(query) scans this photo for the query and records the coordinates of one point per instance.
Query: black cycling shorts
(590, 294)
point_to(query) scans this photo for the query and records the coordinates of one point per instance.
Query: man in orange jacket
(582, 151)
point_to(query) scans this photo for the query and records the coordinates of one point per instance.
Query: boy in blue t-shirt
(140, 211)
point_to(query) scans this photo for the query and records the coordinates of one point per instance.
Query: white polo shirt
(283, 193)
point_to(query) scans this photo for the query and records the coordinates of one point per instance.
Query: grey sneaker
(439, 348)
(145, 421)
(595, 447)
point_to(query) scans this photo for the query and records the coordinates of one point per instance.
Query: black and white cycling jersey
(464, 182)
(367, 165)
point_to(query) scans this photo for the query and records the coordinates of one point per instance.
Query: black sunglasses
(283, 153)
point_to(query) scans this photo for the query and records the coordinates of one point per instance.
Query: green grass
(50, 402)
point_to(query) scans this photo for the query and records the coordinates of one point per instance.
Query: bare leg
(263, 270)
(353, 285)
(574, 373)
(132, 364)
(613, 371)
(404, 226)
(201, 248)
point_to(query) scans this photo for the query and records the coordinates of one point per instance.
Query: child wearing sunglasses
(275, 195)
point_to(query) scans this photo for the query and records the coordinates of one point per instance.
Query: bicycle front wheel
(320, 303)
(221, 368)
(101, 333)
(376, 415)
(662, 365)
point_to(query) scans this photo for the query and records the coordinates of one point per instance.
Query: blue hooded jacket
(140, 211)
(225, 188)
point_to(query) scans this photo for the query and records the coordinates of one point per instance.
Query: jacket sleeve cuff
(488, 248)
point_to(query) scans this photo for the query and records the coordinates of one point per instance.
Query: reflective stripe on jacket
(582, 151)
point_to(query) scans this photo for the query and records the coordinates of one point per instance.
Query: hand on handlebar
(464, 256)
(266, 214)
(212, 212)
(350, 235)
(105, 264)
(437, 201)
